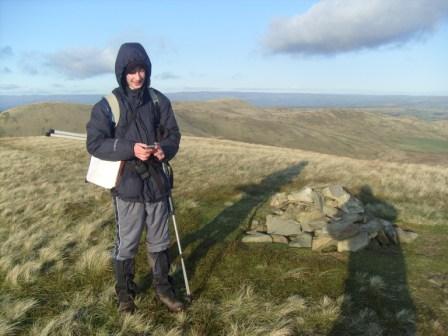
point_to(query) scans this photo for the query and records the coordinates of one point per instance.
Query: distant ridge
(437, 104)
(7, 102)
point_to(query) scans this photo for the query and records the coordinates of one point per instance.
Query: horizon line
(255, 91)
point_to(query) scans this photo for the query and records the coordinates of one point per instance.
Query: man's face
(136, 77)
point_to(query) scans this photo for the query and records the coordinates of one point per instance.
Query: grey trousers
(131, 218)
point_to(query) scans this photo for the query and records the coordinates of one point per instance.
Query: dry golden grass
(53, 225)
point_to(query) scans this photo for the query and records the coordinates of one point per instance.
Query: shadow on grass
(210, 243)
(376, 295)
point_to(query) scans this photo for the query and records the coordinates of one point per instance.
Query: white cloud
(83, 63)
(166, 75)
(335, 26)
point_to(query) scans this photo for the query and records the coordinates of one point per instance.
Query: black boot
(125, 286)
(160, 264)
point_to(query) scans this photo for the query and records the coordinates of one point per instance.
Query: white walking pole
(170, 200)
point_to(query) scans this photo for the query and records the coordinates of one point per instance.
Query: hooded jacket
(137, 123)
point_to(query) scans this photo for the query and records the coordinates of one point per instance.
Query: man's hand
(159, 153)
(142, 151)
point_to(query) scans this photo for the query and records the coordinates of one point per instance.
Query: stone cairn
(324, 219)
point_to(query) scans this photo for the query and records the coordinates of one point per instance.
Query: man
(141, 196)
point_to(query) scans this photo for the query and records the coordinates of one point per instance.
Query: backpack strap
(114, 107)
(154, 97)
(156, 104)
(161, 131)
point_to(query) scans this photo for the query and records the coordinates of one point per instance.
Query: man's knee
(157, 246)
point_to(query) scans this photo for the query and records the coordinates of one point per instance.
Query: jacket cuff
(126, 147)
(169, 151)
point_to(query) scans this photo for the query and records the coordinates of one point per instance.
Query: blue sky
(327, 46)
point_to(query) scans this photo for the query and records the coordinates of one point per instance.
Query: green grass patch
(424, 145)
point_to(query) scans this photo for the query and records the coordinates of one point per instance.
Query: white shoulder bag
(101, 172)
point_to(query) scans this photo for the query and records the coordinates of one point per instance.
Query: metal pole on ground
(62, 134)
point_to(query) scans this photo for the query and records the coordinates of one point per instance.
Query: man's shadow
(376, 294)
(226, 228)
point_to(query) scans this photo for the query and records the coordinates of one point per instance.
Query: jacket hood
(131, 53)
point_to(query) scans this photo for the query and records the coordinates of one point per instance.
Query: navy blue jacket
(108, 141)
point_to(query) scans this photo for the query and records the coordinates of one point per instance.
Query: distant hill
(353, 132)
(36, 119)
(424, 107)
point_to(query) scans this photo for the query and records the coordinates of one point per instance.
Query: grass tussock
(13, 312)
(94, 261)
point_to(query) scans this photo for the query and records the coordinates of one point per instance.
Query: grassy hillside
(36, 119)
(356, 133)
(344, 132)
(57, 232)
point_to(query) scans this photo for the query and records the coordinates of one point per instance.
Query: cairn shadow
(225, 229)
(376, 300)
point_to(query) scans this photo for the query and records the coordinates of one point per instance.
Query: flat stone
(382, 238)
(282, 226)
(322, 242)
(355, 243)
(406, 236)
(331, 203)
(390, 231)
(278, 212)
(306, 228)
(260, 228)
(341, 230)
(302, 240)
(372, 226)
(344, 227)
(279, 200)
(373, 235)
(293, 209)
(304, 195)
(336, 192)
(353, 205)
(257, 238)
(314, 225)
(330, 211)
(349, 218)
(320, 232)
(309, 216)
(318, 201)
(279, 239)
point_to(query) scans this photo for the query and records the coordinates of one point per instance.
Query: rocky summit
(324, 218)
